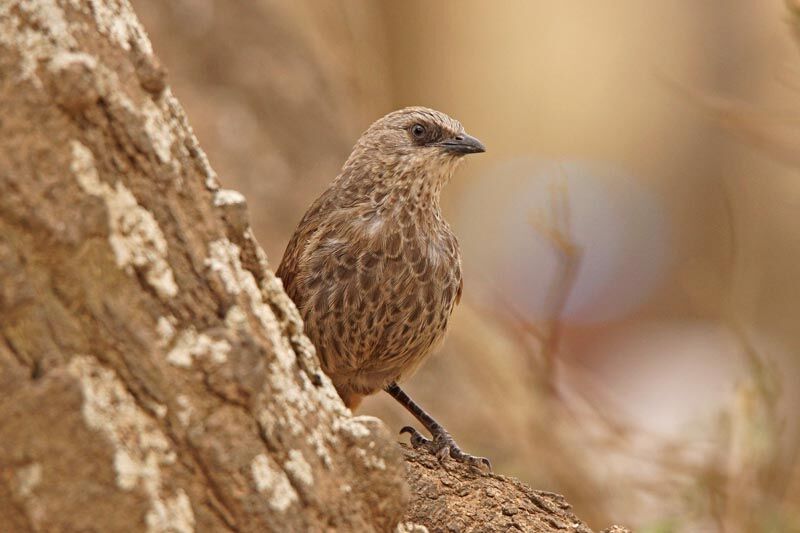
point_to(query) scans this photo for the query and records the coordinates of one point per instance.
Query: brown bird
(373, 267)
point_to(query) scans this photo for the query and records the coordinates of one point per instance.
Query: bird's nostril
(459, 137)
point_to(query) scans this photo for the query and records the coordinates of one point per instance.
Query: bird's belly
(381, 324)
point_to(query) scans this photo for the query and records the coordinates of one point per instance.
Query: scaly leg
(442, 443)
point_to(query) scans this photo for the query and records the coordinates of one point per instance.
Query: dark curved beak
(463, 144)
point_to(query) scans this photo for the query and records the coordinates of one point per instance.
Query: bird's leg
(441, 444)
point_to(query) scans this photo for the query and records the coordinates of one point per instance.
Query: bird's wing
(288, 269)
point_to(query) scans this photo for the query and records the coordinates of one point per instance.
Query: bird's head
(415, 144)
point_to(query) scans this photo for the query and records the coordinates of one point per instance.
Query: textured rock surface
(458, 498)
(153, 374)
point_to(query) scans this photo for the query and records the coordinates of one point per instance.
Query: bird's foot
(443, 445)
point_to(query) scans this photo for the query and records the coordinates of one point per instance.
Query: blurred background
(630, 333)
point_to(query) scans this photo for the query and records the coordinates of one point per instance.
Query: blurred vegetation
(679, 413)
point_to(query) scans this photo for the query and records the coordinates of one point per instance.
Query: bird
(375, 270)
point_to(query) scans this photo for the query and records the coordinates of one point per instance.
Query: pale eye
(418, 131)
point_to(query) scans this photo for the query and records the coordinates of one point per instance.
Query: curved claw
(472, 460)
(417, 439)
(478, 462)
(409, 430)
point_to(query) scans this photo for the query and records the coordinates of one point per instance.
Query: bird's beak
(463, 144)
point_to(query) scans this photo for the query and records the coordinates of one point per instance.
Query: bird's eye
(418, 131)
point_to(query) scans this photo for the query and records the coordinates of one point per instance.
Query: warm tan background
(671, 128)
